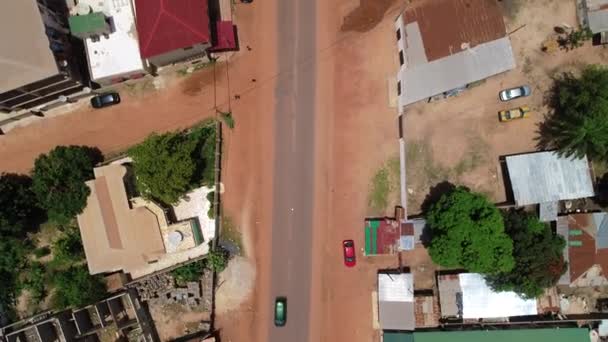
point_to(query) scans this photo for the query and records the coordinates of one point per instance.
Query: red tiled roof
(445, 25)
(226, 36)
(582, 258)
(167, 25)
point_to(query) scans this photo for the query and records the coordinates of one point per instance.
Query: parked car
(246, 1)
(105, 100)
(280, 311)
(514, 113)
(349, 253)
(513, 93)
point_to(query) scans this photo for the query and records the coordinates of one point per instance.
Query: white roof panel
(546, 177)
(395, 287)
(118, 53)
(479, 301)
(421, 80)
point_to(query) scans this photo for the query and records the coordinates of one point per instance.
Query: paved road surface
(293, 169)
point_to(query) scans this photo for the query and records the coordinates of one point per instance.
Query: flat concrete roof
(115, 236)
(24, 58)
(117, 53)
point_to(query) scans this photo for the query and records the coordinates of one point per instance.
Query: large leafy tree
(76, 287)
(468, 231)
(58, 180)
(538, 256)
(17, 203)
(578, 124)
(169, 165)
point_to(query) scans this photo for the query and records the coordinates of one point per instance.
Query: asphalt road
(292, 215)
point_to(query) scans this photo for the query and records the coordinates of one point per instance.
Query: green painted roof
(397, 337)
(519, 335)
(91, 22)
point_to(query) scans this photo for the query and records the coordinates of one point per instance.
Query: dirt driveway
(460, 139)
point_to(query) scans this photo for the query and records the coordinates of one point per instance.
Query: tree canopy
(169, 165)
(538, 256)
(17, 203)
(76, 287)
(58, 180)
(468, 231)
(164, 166)
(578, 124)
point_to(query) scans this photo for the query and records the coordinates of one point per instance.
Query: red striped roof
(167, 25)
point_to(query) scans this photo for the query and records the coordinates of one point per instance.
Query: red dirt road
(355, 132)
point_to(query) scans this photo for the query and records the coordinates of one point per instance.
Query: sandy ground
(174, 320)
(235, 285)
(460, 139)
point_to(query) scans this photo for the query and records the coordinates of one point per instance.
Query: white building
(444, 45)
(113, 57)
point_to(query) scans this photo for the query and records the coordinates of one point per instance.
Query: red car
(349, 253)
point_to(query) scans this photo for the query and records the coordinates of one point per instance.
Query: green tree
(17, 204)
(13, 259)
(68, 249)
(58, 180)
(217, 259)
(76, 287)
(538, 256)
(35, 280)
(578, 124)
(468, 231)
(164, 166)
(189, 272)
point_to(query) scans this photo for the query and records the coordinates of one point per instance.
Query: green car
(280, 311)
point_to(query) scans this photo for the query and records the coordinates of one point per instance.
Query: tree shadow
(435, 194)
(550, 130)
(35, 215)
(93, 153)
(602, 191)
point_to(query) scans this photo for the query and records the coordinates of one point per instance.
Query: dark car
(349, 253)
(513, 93)
(105, 100)
(280, 311)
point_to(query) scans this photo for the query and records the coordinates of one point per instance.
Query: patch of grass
(512, 8)
(527, 66)
(231, 233)
(384, 185)
(474, 157)
(227, 119)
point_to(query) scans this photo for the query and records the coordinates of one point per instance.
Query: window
(398, 87)
(398, 34)
(401, 58)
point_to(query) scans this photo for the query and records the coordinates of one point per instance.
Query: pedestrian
(253, 80)
(237, 97)
(248, 48)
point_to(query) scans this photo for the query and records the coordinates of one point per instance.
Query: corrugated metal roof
(548, 211)
(562, 229)
(422, 81)
(507, 335)
(396, 301)
(164, 26)
(601, 237)
(546, 177)
(479, 300)
(448, 26)
(597, 15)
(89, 23)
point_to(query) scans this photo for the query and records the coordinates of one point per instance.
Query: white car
(513, 93)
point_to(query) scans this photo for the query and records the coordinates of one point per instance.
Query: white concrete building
(114, 57)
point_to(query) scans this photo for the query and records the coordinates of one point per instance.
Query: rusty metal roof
(450, 26)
